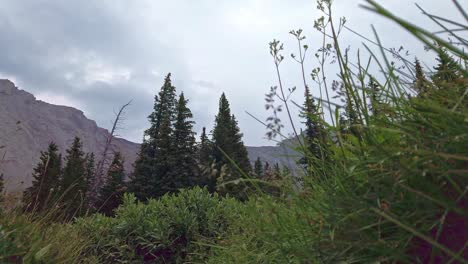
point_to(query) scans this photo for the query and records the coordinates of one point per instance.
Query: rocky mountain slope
(28, 125)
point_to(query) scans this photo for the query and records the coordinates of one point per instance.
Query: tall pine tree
(258, 168)
(111, 194)
(447, 69)
(420, 84)
(314, 132)
(205, 160)
(227, 146)
(154, 160)
(90, 167)
(46, 175)
(74, 184)
(2, 186)
(204, 149)
(184, 172)
(373, 95)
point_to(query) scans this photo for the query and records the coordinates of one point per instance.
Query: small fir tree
(314, 132)
(420, 84)
(90, 167)
(447, 69)
(112, 193)
(268, 172)
(228, 148)
(258, 168)
(74, 185)
(277, 171)
(205, 162)
(2, 186)
(285, 171)
(46, 175)
(374, 96)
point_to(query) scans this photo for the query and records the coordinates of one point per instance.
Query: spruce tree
(111, 194)
(74, 185)
(268, 172)
(285, 171)
(271, 175)
(184, 171)
(227, 146)
(258, 168)
(154, 159)
(205, 161)
(240, 155)
(2, 186)
(374, 94)
(420, 84)
(447, 69)
(276, 171)
(314, 132)
(204, 150)
(90, 167)
(46, 175)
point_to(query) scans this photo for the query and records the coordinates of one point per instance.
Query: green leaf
(42, 253)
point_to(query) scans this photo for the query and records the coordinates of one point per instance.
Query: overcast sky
(96, 55)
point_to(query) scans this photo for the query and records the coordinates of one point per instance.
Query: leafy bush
(175, 228)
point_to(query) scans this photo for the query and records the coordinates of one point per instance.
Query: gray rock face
(28, 125)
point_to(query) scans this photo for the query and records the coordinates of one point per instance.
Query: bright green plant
(174, 229)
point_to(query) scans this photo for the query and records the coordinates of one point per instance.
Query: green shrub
(173, 229)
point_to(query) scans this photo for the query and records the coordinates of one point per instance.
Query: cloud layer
(97, 55)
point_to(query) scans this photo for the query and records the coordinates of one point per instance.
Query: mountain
(28, 125)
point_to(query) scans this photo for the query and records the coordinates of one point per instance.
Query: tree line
(171, 159)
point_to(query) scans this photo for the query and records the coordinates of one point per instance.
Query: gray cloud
(97, 55)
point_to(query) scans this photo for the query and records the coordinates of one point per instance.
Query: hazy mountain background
(27, 125)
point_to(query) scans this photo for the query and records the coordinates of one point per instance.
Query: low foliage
(176, 228)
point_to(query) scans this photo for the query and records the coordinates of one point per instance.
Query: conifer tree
(90, 167)
(285, 171)
(420, 83)
(240, 155)
(184, 171)
(276, 171)
(2, 186)
(258, 168)
(314, 132)
(205, 161)
(46, 175)
(74, 185)
(204, 150)
(374, 97)
(227, 146)
(349, 120)
(112, 192)
(154, 159)
(268, 172)
(446, 70)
